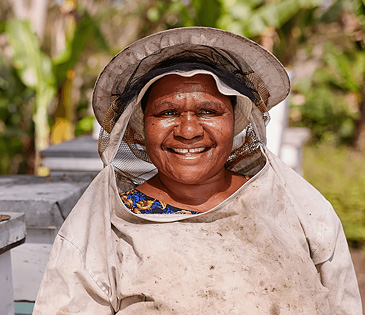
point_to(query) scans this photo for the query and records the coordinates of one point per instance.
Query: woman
(192, 214)
(188, 136)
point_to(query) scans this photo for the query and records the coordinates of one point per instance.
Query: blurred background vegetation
(53, 50)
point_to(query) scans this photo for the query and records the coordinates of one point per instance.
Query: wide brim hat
(270, 76)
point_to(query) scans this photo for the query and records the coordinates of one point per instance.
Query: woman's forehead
(176, 84)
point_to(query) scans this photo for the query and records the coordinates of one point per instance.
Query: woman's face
(188, 128)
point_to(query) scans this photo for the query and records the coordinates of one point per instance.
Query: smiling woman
(192, 214)
(189, 136)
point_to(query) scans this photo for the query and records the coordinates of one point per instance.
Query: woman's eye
(207, 112)
(169, 113)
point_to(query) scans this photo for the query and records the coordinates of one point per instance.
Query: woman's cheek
(167, 123)
(157, 130)
(154, 124)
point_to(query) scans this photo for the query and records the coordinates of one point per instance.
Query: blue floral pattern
(139, 203)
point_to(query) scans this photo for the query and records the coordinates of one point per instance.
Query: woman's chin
(190, 177)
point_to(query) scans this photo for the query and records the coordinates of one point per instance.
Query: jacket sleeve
(338, 275)
(67, 287)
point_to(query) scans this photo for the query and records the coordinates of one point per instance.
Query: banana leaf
(33, 66)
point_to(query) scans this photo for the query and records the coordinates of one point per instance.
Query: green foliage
(33, 66)
(331, 96)
(39, 73)
(35, 70)
(84, 125)
(345, 68)
(207, 12)
(251, 18)
(339, 174)
(16, 128)
(85, 122)
(86, 30)
(327, 115)
(248, 18)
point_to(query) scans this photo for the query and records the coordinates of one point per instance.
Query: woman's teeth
(186, 151)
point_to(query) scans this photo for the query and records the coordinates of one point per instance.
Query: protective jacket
(275, 246)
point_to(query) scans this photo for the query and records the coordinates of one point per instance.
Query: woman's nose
(189, 126)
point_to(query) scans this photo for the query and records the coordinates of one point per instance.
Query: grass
(339, 174)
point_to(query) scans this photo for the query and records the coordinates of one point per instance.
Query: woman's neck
(199, 197)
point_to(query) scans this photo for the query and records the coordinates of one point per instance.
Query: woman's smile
(189, 154)
(188, 151)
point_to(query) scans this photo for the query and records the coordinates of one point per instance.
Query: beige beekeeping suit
(275, 246)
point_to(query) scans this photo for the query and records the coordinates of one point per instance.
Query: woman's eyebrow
(156, 106)
(211, 104)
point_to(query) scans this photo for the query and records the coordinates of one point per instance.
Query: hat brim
(244, 50)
